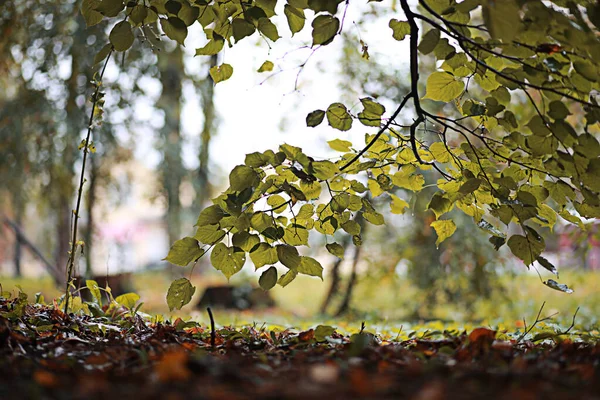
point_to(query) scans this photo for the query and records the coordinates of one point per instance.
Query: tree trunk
(17, 250)
(171, 67)
(334, 287)
(207, 93)
(345, 305)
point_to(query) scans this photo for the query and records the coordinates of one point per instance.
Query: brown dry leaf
(482, 335)
(172, 366)
(45, 378)
(306, 335)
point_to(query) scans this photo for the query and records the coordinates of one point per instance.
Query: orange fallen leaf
(172, 366)
(45, 378)
(306, 335)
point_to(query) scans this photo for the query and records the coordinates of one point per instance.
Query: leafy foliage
(515, 144)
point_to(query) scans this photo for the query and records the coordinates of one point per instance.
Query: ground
(118, 353)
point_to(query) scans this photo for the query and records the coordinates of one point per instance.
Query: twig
(362, 327)
(537, 321)
(71, 261)
(213, 335)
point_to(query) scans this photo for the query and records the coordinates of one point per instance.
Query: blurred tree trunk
(207, 95)
(345, 305)
(171, 70)
(335, 279)
(17, 249)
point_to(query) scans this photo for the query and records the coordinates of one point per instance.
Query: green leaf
(110, 8)
(245, 241)
(267, 28)
(340, 145)
(310, 266)
(295, 18)
(325, 27)
(213, 47)
(210, 215)
(267, 66)
(241, 29)
(268, 279)
(429, 41)
(398, 206)
(221, 73)
(175, 29)
(442, 86)
(209, 234)
(558, 110)
(228, 260)
(180, 293)
(242, 177)
(288, 256)
(470, 186)
(315, 118)
(372, 112)
(121, 36)
(324, 170)
(338, 117)
(525, 247)
(90, 14)
(352, 227)
(287, 278)
(400, 29)
(439, 205)
(103, 53)
(558, 286)
(184, 251)
(127, 300)
(444, 229)
(263, 254)
(502, 19)
(336, 249)
(94, 290)
(322, 332)
(547, 264)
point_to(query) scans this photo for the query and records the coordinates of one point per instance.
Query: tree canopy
(508, 121)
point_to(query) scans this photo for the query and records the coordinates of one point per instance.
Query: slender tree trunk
(345, 305)
(171, 67)
(207, 93)
(334, 287)
(18, 248)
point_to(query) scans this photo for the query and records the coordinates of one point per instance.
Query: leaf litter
(47, 354)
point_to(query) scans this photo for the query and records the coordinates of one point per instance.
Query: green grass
(386, 304)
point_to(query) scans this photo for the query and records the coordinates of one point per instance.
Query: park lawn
(387, 304)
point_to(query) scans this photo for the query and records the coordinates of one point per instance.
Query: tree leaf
(315, 118)
(267, 28)
(338, 117)
(175, 29)
(184, 251)
(429, 41)
(180, 293)
(94, 290)
(547, 264)
(242, 177)
(287, 278)
(526, 248)
(267, 66)
(110, 8)
(400, 29)
(209, 234)
(103, 53)
(268, 279)
(213, 47)
(442, 86)
(221, 73)
(336, 249)
(128, 300)
(397, 205)
(295, 18)
(228, 260)
(325, 27)
(90, 14)
(288, 256)
(558, 286)
(310, 266)
(340, 145)
(121, 36)
(263, 254)
(444, 229)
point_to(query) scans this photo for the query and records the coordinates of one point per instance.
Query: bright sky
(260, 111)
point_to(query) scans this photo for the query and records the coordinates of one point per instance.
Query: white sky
(260, 111)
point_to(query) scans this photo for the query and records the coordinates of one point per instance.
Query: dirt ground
(45, 354)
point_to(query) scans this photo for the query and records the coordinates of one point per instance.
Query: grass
(386, 304)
